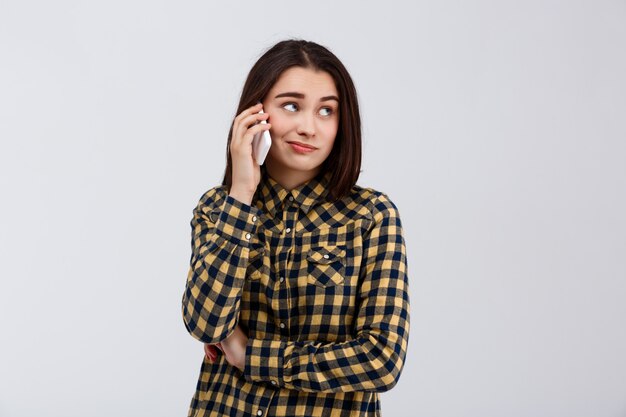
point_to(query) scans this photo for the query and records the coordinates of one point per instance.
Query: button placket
(289, 217)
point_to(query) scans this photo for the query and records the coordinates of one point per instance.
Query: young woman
(298, 277)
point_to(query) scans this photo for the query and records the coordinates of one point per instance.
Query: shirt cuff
(238, 221)
(264, 361)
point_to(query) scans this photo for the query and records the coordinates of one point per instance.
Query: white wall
(498, 129)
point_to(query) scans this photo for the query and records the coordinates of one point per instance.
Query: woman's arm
(374, 359)
(221, 230)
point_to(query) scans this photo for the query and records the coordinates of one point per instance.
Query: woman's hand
(233, 347)
(246, 173)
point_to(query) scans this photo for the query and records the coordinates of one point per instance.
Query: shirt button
(253, 218)
(282, 279)
(273, 382)
(259, 413)
(326, 256)
(282, 325)
(287, 230)
(247, 235)
(290, 198)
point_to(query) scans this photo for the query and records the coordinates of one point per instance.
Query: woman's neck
(290, 179)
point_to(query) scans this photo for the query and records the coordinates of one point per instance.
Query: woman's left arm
(374, 359)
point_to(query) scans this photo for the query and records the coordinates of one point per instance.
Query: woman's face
(303, 108)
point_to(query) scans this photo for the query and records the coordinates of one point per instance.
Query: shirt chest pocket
(326, 265)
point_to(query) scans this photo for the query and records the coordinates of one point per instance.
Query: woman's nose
(307, 125)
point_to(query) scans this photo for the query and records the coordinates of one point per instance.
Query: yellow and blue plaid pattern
(320, 288)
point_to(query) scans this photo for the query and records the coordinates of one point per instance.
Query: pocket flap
(325, 254)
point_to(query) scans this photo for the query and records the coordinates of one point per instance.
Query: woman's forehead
(304, 81)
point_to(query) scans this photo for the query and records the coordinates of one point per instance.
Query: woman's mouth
(300, 147)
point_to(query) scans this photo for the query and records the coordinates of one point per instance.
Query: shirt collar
(272, 195)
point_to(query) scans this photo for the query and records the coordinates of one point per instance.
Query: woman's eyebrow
(300, 95)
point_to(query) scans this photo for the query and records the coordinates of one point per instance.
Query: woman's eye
(329, 110)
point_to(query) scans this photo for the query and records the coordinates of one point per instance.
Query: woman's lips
(300, 148)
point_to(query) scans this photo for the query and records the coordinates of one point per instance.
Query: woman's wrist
(244, 197)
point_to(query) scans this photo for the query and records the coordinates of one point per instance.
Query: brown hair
(344, 160)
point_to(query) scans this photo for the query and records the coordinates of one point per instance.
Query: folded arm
(221, 230)
(374, 359)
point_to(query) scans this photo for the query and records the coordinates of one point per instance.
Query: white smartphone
(261, 144)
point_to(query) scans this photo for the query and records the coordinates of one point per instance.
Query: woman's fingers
(210, 351)
(238, 124)
(249, 119)
(234, 348)
(252, 109)
(245, 139)
(249, 134)
(247, 125)
(246, 173)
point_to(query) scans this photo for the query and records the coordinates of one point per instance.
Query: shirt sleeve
(374, 359)
(221, 229)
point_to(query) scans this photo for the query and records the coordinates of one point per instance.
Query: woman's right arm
(222, 228)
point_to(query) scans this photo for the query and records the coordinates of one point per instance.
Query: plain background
(498, 128)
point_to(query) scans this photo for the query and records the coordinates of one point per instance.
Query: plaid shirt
(320, 288)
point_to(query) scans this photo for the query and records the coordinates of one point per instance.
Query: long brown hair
(344, 160)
